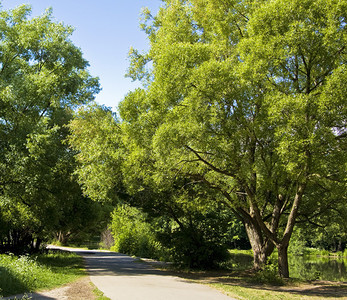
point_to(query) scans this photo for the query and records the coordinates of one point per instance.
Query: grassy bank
(310, 273)
(248, 285)
(303, 291)
(238, 281)
(32, 273)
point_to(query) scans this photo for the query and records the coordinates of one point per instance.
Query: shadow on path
(116, 264)
(121, 277)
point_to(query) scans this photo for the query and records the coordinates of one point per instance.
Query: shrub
(191, 248)
(200, 241)
(132, 234)
(269, 275)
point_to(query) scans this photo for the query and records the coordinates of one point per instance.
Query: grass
(31, 273)
(99, 294)
(264, 293)
(248, 285)
(238, 281)
(324, 253)
(246, 293)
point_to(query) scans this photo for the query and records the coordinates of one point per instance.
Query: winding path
(121, 277)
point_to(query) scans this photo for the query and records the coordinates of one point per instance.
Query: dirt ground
(82, 289)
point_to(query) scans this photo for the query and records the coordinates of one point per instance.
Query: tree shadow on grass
(324, 289)
(58, 260)
(10, 284)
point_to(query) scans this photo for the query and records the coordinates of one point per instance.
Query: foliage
(240, 260)
(95, 135)
(43, 78)
(132, 234)
(181, 220)
(247, 99)
(242, 109)
(298, 243)
(198, 236)
(29, 273)
(269, 274)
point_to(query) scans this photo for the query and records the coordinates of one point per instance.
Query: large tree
(247, 98)
(43, 78)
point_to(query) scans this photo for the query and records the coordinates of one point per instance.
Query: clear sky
(104, 30)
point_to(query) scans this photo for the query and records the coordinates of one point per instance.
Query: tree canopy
(243, 106)
(43, 78)
(247, 98)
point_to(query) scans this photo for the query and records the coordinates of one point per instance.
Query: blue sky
(104, 30)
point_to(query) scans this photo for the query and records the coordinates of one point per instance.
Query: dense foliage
(243, 106)
(43, 78)
(133, 235)
(248, 99)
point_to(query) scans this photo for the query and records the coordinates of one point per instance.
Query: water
(322, 268)
(302, 267)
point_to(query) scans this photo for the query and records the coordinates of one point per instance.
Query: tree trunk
(283, 268)
(261, 249)
(282, 246)
(61, 237)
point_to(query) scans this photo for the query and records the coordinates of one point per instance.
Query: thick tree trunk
(261, 249)
(283, 268)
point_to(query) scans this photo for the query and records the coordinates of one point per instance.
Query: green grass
(31, 273)
(260, 293)
(242, 284)
(99, 294)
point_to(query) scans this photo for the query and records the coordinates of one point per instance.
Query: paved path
(121, 277)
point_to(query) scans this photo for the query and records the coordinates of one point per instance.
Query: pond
(302, 267)
(322, 268)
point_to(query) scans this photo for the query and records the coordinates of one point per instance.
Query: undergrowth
(20, 274)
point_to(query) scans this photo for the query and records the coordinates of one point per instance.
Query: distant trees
(43, 78)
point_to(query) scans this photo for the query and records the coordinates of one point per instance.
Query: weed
(29, 273)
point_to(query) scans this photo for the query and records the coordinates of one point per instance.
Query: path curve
(121, 277)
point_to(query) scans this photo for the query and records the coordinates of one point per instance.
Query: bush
(18, 274)
(198, 241)
(269, 275)
(201, 241)
(133, 235)
(190, 248)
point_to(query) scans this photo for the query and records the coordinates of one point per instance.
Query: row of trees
(242, 115)
(242, 108)
(43, 79)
